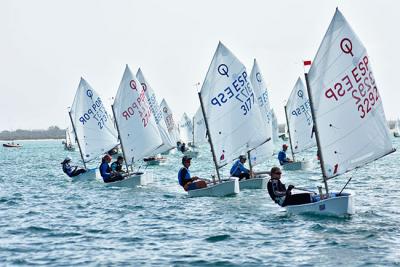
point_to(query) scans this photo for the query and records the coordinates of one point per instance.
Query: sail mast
(76, 138)
(193, 131)
(316, 133)
(288, 127)
(120, 139)
(209, 138)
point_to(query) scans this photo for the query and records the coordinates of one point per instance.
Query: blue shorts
(192, 186)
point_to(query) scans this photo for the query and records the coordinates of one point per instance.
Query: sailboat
(300, 126)
(68, 145)
(396, 130)
(275, 131)
(229, 110)
(94, 131)
(170, 121)
(199, 128)
(186, 134)
(265, 151)
(136, 126)
(168, 142)
(347, 110)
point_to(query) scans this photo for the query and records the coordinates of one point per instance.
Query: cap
(67, 158)
(120, 157)
(185, 158)
(243, 157)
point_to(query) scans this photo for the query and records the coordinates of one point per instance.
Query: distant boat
(300, 126)
(68, 145)
(12, 144)
(396, 131)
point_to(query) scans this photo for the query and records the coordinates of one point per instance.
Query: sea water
(45, 219)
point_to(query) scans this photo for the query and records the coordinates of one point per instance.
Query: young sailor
(282, 196)
(116, 166)
(184, 178)
(106, 172)
(283, 159)
(238, 169)
(69, 170)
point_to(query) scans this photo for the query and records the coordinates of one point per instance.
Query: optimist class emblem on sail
(359, 82)
(240, 89)
(139, 106)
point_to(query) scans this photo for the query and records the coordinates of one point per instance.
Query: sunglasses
(279, 173)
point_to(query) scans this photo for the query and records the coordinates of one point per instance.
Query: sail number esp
(241, 90)
(360, 83)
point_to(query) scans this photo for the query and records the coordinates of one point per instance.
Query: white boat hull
(90, 174)
(192, 154)
(133, 180)
(259, 182)
(338, 206)
(297, 165)
(224, 188)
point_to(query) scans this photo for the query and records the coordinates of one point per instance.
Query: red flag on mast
(307, 62)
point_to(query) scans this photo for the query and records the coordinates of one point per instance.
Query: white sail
(200, 130)
(69, 137)
(136, 124)
(265, 151)
(168, 142)
(230, 107)
(299, 119)
(94, 130)
(169, 121)
(275, 128)
(186, 129)
(350, 120)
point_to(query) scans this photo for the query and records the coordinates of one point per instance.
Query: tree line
(53, 132)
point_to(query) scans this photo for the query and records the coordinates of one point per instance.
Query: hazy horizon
(48, 45)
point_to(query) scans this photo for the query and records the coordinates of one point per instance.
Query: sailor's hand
(195, 178)
(290, 187)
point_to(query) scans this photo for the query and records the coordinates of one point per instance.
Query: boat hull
(12, 145)
(222, 189)
(133, 180)
(297, 165)
(338, 206)
(259, 182)
(90, 174)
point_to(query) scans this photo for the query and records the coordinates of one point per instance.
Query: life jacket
(271, 191)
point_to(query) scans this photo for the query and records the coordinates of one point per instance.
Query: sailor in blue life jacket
(106, 172)
(238, 169)
(116, 166)
(69, 170)
(282, 196)
(283, 159)
(184, 178)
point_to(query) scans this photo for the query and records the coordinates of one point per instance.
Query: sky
(47, 45)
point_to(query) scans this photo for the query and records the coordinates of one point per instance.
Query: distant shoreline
(52, 132)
